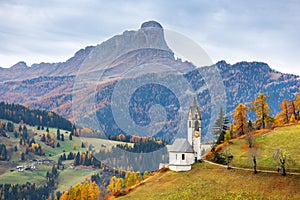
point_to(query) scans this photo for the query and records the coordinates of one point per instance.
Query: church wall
(177, 160)
(180, 168)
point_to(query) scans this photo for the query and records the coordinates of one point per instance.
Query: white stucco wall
(178, 168)
(189, 158)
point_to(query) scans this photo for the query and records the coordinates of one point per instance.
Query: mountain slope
(53, 86)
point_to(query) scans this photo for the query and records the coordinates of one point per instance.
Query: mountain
(83, 88)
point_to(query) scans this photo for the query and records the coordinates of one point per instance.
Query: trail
(247, 169)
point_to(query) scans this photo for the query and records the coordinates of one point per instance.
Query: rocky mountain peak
(151, 24)
(20, 65)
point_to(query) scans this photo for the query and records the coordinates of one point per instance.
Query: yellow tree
(283, 116)
(292, 108)
(240, 122)
(297, 104)
(120, 183)
(262, 111)
(115, 184)
(112, 184)
(94, 191)
(293, 119)
(130, 179)
(84, 190)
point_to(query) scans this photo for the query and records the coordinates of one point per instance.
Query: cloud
(256, 30)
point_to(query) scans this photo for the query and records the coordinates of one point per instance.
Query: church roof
(181, 145)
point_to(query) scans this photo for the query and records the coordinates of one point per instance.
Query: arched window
(190, 124)
(197, 125)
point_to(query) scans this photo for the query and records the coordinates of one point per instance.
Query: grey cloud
(234, 31)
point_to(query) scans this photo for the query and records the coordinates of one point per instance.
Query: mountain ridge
(50, 86)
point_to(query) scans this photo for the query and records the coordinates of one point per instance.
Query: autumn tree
(227, 136)
(115, 184)
(283, 116)
(87, 190)
(297, 104)
(240, 123)
(130, 179)
(292, 109)
(262, 111)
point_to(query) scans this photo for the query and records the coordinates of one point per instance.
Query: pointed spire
(194, 110)
(195, 101)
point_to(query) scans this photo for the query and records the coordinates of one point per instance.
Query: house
(20, 168)
(186, 151)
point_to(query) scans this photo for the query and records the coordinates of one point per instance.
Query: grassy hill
(206, 181)
(286, 138)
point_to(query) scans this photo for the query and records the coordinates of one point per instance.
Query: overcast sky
(37, 31)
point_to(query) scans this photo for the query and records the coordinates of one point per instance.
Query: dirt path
(247, 169)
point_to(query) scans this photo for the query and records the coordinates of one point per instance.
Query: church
(186, 151)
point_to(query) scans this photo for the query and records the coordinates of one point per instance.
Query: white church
(186, 151)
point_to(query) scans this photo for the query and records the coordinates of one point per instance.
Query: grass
(37, 176)
(70, 177)
(286, 138)
(206, 181)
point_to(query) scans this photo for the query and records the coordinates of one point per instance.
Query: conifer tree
(220, 127)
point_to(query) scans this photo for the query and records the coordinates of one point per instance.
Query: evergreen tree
(64, 157)
(20, 128)
(70, 136)
(58, 134)
(77, 159)
(62, 137)
(59, 162)
(43, 138)
(22, 156)
(221, 125)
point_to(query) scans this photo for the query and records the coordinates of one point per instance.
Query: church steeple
(194, 128)
(194, 113)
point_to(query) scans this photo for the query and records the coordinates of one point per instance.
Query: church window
(190, 124)
(183, 156)
(197, 125)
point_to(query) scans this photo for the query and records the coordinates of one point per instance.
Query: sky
(38, 31)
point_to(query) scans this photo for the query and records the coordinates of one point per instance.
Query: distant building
(20, 168)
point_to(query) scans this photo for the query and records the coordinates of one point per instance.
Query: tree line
(242, 125)
(18, 113)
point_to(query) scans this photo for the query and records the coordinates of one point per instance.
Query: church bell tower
(194, 129)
